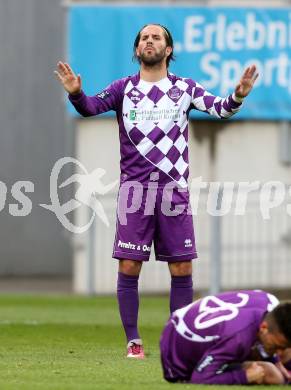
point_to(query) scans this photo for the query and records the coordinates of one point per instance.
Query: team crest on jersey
(175, 93)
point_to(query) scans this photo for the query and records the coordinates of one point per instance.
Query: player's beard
(153, 60)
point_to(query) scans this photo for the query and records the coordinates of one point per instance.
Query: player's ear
(168, 50)
(264, 327)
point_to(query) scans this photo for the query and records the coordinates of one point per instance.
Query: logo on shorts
(188, 243)
(127, 245)
(135, 247)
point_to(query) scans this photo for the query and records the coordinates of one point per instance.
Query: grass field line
(28, 322)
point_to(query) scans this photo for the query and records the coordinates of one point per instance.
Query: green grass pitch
(72, 343)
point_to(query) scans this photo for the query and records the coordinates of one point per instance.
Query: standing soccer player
(152, 109)
(230, 338)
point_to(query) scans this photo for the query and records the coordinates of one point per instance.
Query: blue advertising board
(212, 45)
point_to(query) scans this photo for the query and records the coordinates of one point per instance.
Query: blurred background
(214, 42)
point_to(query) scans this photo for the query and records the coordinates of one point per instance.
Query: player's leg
(132, 244)
(175, 244)
(128, 301)
(181, 293)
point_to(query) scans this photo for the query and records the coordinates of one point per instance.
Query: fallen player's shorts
(162, 216)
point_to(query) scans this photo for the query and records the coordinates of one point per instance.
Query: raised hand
(246, 82)
(71, 83)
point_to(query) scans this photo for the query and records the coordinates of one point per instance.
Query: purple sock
(181, 292)
(127, 295)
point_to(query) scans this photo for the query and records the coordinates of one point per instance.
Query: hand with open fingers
(255, 373)
(71, 83)
(246, 82)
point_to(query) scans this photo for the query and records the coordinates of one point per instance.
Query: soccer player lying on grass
(217, 339)
(152, 109)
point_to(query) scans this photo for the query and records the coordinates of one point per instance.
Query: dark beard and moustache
(153, 60)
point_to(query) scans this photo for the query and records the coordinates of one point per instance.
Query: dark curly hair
(281, 316)
(168, 38)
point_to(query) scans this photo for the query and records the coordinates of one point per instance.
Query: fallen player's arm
(272, 374)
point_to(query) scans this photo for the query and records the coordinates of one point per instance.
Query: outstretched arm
(220, 107)
(71, 82)
(87, 105)
(246, 83)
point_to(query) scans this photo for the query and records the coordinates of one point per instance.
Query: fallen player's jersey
(203, 341)
(153, 123)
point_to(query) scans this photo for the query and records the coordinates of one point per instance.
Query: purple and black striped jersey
(204, 341)
(153, 122)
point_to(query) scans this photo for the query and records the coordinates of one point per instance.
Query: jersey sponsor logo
(154, 115)
(206, 362)
(132, 115)
(104, 95)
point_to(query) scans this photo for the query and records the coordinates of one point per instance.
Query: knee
(130, 267)
(183, 268)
